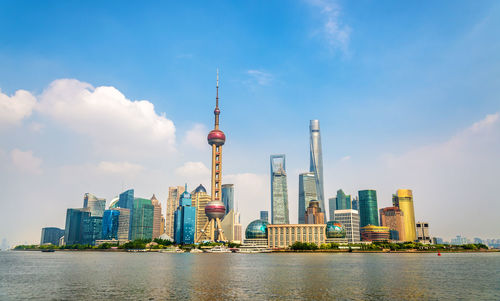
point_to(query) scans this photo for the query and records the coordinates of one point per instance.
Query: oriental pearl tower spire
(215, 209)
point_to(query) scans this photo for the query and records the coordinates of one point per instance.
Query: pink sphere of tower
(215, 209)
(216, 137)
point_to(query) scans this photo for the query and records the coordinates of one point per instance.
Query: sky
(101, 97)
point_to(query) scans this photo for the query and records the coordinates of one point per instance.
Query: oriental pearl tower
(215, 209)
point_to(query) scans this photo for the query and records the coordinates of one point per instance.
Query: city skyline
(71, 124)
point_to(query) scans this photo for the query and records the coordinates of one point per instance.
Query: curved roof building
(256, 229)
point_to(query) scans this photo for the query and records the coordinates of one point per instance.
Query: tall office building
(95, 232)
(393, 218)
(307, 193)
(200, 199)
(342, 200)
(110, 224)
(403, 199)
(96, 205)
(238, 236)
(142, 219)
(355, 203)
(332, 206)
(51, 235)
(126, 200)
(264, 215)
(157, 217)
(314, 214)
(350, 219)
(174, 194)
(423, 235)
(228, 196)
(279, 191)
(77, 229)
(185, 220)
(123, 224)
(316, 161)
(368, 209)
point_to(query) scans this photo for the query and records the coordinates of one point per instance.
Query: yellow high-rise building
(403, 199)
(174, 194)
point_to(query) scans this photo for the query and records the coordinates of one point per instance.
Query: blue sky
(392, 83)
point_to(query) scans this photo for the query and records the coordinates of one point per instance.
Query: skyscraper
(316, 162)
(342, 200)
(307, 193)
(229, 226)
(368, 210)
(110, 224)
(355, 203)
(174, 194)
(96, 205)
(332, 206)
(393, 218)
(215, 209)
(77, 229)
(350, 219)
(142, 219)
(123, 224)
(200, 199)
(157, 217)
(185, 220)
(279, 191)
(403, 199)
(126, 199)
(264, 215)
(314, 214)
(51, 235)
(228, 196)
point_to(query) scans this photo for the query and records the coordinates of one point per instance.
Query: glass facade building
(142, 219)
(332, 206)
(110, 223)
(77, 230)
(185, 220)
(256, 229)
(316, 161)
(264, 215)
(368, 209)
(228, 196)
(307, 193)
(96, 205)
(279, 191)
(126, 199)
(51, 235)
(355, 204)
(342, 200)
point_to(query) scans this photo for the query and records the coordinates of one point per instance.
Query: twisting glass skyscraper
(279, 191)
(316, 165)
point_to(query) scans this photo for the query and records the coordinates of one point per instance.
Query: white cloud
(15, 108)
(346, 158)
(260, 77)
(113, 122)
(119, 167)
(334, 31)
(26, 162)
(193, 169)
(197, 137)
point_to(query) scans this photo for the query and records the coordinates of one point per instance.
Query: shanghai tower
(316, 165)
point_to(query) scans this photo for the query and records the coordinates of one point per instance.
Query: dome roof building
(199, 189)
(256, 229)
(335, 229)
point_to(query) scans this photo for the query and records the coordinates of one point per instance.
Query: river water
(156, 276)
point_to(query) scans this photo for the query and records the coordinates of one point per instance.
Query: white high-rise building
(316, 161)
(350, 220)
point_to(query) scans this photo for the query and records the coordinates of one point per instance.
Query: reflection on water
(156, 276)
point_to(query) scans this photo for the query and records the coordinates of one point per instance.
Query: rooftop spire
(217, 111)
